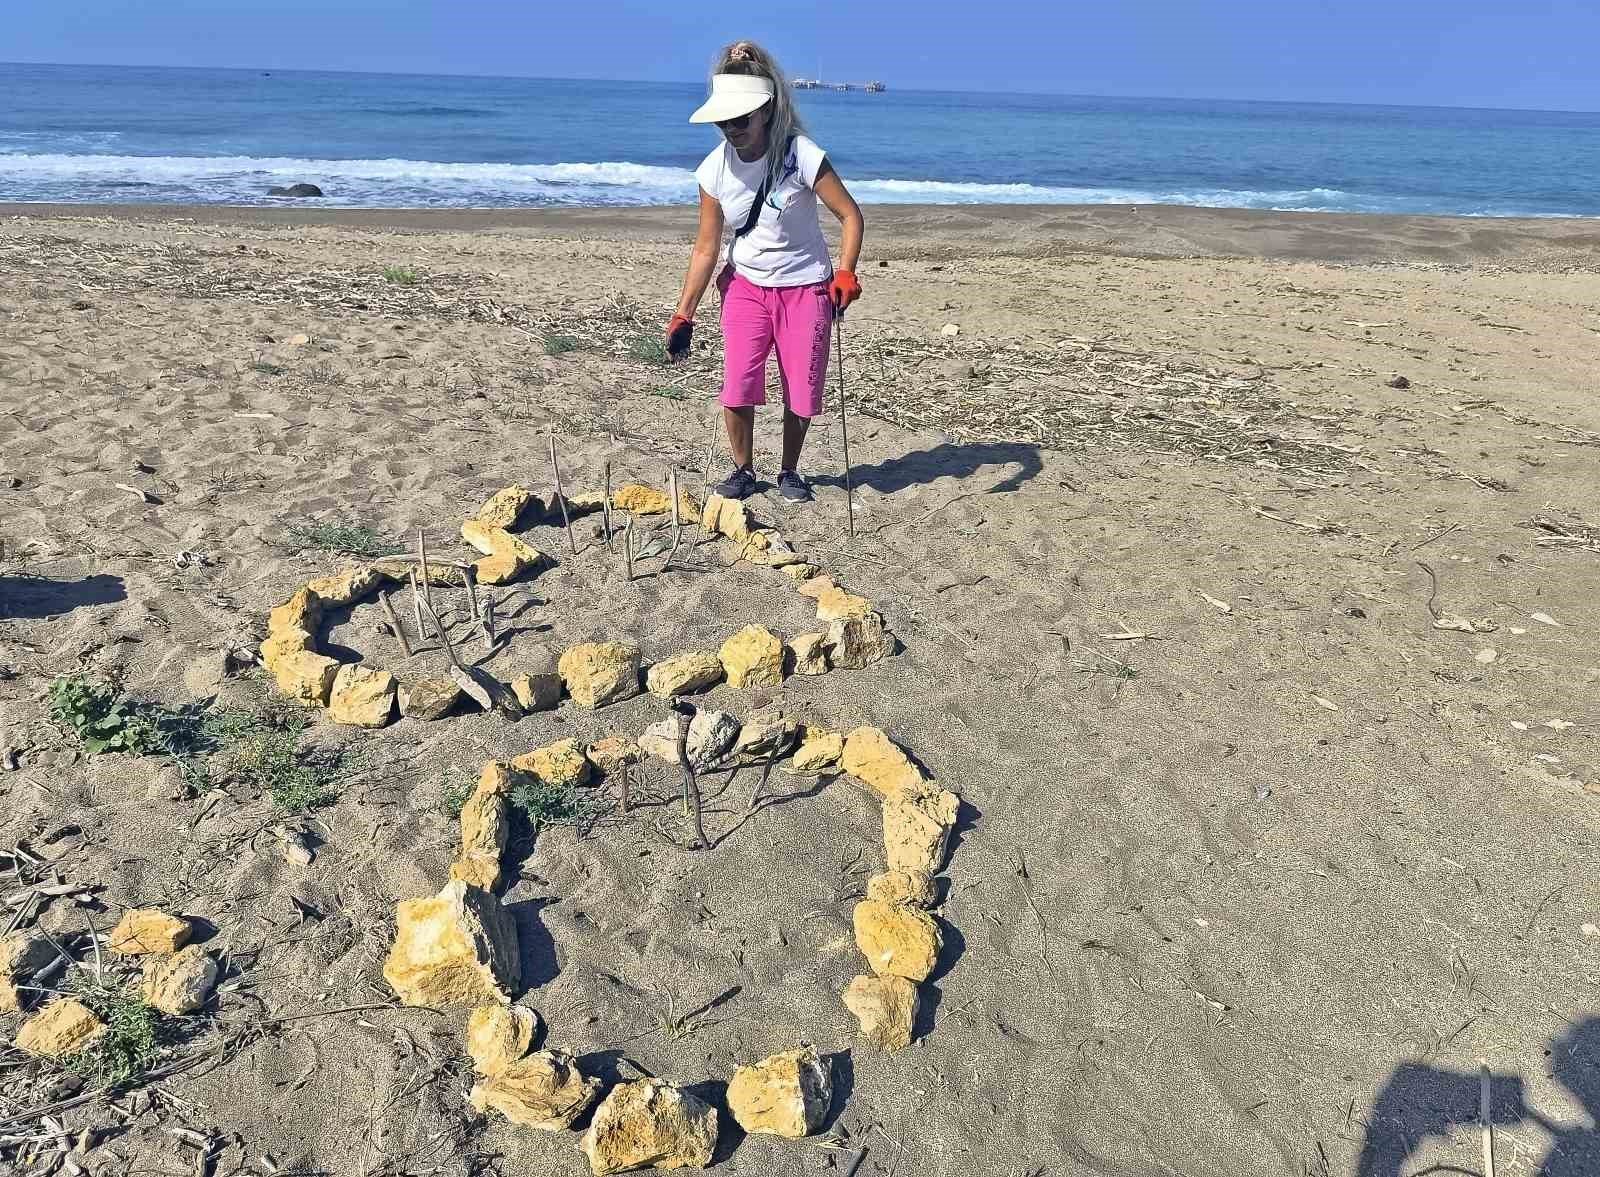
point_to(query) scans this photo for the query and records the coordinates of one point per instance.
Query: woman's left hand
(844, 289)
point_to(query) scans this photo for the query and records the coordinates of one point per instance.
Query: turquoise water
(77, 133)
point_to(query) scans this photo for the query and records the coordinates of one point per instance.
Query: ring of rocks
(459, 950)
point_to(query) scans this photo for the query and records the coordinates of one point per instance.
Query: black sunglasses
(738, 124)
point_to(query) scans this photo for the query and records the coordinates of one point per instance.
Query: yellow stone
(505, 507)
(302, 611)
(684, 674)
(300, 672)
(917, 822)
(878, 762)
(361, 696)
(499, 1035)
(800, 571)
(561, 764)
(505, 557)
(753, 657)
(21, 955)
(485, 830)
(834, 604)
(817, 585)
(727, 517)
(458, 948)
(180, 984)
(638, 499)
(808, 654)
(148, 929)
(544, 1091)
(347, 587)
(597, 673)
(614, 752)
(650, 1124)
(62, 1028)
(819, 752)
(886, 1008)
(897, 941)
(912, 888)
(786, 1095)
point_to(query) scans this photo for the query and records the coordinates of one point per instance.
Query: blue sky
(1536, 53)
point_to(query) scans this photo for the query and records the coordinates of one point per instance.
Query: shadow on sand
(38, 596)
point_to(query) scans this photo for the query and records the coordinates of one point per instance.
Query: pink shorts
(795, 319)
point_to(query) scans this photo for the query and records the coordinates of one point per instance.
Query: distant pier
(819, 84)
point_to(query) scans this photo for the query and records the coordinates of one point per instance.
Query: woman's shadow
(1419, 1101)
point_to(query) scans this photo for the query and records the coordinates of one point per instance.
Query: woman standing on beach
(779, 288)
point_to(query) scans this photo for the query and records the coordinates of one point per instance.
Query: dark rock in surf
(297, 190)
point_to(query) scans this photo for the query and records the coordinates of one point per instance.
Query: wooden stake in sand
(472, 592)
(394, 622)
(691, 786)
(561, 495)
(605, 509)
(427, 586)
(1484, 1120)
(627, 546)
(677, 523)
(705, 482)
(416, 608)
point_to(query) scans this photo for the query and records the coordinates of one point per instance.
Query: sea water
(79, 133)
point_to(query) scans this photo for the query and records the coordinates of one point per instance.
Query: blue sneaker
(794, 488)
(741, 484)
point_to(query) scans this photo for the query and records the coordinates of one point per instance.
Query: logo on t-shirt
(791, 165)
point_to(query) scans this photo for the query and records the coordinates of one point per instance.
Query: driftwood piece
(627, 546)
(705, 482)
(416, 609)
(394, 621)
(605, 509)
(427, 587)
(472, 592)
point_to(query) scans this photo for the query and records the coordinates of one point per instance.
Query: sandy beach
(1245, 568)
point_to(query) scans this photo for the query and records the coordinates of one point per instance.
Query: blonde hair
(783, 121)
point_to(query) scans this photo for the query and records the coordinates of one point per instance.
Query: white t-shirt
(786, 247)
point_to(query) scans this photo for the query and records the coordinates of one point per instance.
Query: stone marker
(910, 888)
(428, 698)
(560, 764)
(544, 1090)
(537, 692)
(788, 1094)
(505, 557)
(766, 732)
(182, 983)
(650, 1124)
(834, 604)
(21, 955)
(753, 657)
(499, 1035)
(458, 948)
(505, 507)
(485, 830)
(820, 751)
(684, 674)
(897, 941)
(917, 822)
(614, 752)
(348, 587)
(361, 696)
(886, 1008)
(63, 1027)
(148, 929)
(855, 643)
(808, 654)
(878, 762)
(597, 673)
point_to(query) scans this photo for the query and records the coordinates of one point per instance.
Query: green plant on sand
(270, 761)
(556, 344)
(131, 1043)
(345, 536)
(649, 348)
(400, 275)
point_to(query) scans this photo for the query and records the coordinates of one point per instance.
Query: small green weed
(270, 762)
(323, 374)
(102, 719)
(130, 1044)
(651, 349)
(669, 392)
(267, 368)
(547, 804)
(400, 275)
(556, 344)
(457, 788)
(345, 536)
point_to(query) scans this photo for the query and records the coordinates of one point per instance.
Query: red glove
(844, 289)
(680, 332)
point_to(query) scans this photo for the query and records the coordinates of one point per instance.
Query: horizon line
(892, 89)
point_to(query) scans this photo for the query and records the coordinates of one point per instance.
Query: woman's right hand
(680, 334)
